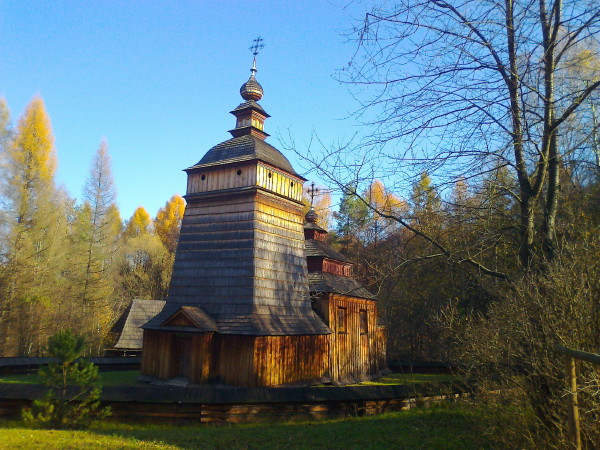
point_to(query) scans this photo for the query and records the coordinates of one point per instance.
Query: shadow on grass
(448, 426)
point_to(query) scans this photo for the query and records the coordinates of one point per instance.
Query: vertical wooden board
(258, 353)
(270, 361)
(249, 358)
(255, 366)
(260, 179)
(265, 361)
(276, 359)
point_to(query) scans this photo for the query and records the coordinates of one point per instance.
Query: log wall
(161, 403)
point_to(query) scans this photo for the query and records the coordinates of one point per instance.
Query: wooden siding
(337, 268)
(250, 361)
(353, 355)
(168, 355)
(256, 174)
(280, 264)
(213, 262)
(279, 182)
(290, 359)
(244, 251)
(222, 178)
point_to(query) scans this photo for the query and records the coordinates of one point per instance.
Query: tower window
(239, 172)
(269, 174)
(203, 177)
(291, 183)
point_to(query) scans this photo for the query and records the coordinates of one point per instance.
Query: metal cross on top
(257, 46)
(312, 191)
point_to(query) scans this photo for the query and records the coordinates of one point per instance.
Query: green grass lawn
(450, 426)
(410, 378)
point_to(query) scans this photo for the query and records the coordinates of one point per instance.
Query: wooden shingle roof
(139, 312)
(316, 248)
(250, 104)
(256, 321)
(241, 149)
(323, 282)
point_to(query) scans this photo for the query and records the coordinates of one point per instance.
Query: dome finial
(251, 89)
(311, 215)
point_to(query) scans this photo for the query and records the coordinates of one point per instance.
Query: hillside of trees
(471, 197)
(68, 264)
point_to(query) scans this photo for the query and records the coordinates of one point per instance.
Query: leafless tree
(459, 88)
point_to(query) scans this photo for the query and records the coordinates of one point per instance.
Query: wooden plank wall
(353, 355)
(271, 360)
(160, 412)
(236, 360)
(221, 178)
(279, 182)
(265, 176)
(290, 359)
(161, 349)
(156, 354)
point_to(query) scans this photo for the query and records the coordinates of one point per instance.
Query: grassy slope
(447, 427)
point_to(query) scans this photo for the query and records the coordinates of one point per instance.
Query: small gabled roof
(316, 248)
(138, 313)
(241, 149)
(201, 321)
(324, 282)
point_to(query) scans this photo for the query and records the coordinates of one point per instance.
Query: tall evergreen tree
(35, 231)
(95, 235)
(352, 216)
(5, 134)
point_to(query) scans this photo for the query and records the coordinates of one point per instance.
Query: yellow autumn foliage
(139, 223)
(382, 200)
(168, 221)
(33, 147)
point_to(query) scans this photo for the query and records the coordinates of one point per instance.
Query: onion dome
(312, 230)
(311, 216)
(251, 89)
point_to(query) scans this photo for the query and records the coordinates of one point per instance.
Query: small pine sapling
(73, 398)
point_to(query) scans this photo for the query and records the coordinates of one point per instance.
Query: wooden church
(239, 309)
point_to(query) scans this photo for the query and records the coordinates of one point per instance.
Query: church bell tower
(238, 309)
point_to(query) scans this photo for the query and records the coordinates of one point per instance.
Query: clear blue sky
(158, 78)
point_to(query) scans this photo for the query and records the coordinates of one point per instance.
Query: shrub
(513, 343)
(73, 398)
